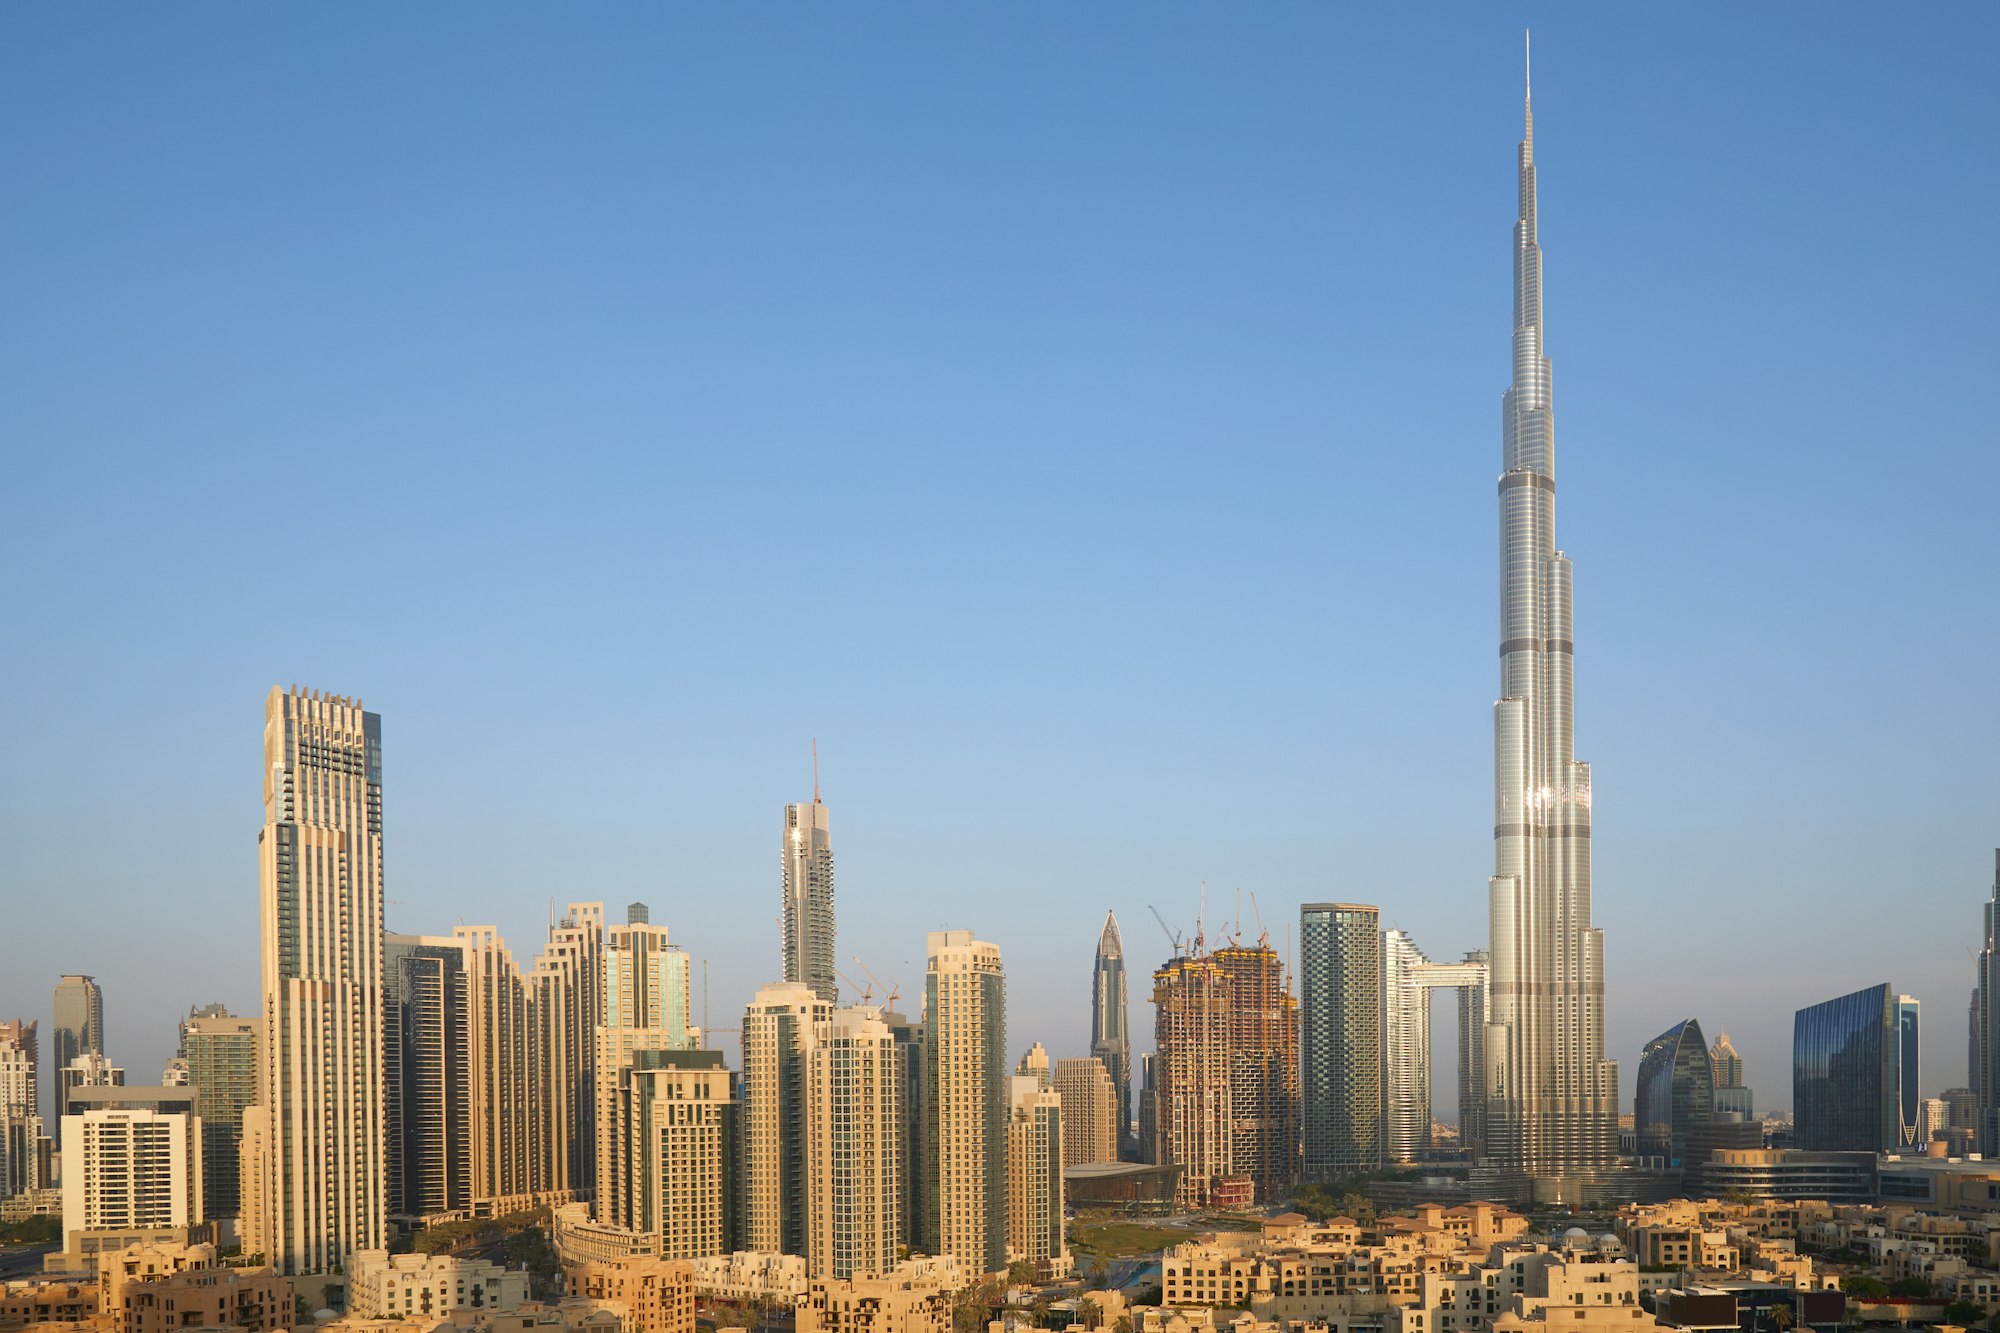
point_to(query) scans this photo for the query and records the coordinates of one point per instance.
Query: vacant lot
(1124, 1240)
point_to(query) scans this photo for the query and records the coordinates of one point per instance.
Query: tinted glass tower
(1553, 1105)
(808, 860)
(1984, 1055)
(1854, 1067)
(1108, 1039)
(1340, 1026)
(1676, 1091)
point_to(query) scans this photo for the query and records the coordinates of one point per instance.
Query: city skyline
(942, 751)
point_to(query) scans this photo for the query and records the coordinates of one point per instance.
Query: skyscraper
(1089, 1112)
(79, 1022)
(677, 1113)
(1340, 1025)
(1408, 978)
(1983, 1073)
(221, 1054)
(500, 1042)
(568, 996)
(427, 1072)
(1035, 1175)
(780, 1028)
(1192, 1047)
(1675, 1092)
(320, 1091)
(646, 995)
(856, 1136)
(965, 1077)
(20, 1034)
(1553, 1112)
(1110, 1039)
(1854, 1073)
(1263, 1067)
(1728, 1064)
(808, 858)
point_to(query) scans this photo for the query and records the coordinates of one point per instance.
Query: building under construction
(1263, 1027)
(1192, 1103)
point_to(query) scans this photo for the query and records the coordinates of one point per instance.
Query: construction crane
(895, 993)
(1263, 935)
(867, 992)
(1173, 936)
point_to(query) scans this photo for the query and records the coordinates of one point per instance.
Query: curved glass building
(1676, 1092)
(1854, 1073)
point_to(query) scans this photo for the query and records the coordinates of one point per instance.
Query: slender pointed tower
(1109, 1041)
(1553, 1097)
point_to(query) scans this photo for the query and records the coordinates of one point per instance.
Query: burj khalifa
(1552, 1097)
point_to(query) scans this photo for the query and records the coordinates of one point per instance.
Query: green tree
(1914, 1287)
(1964, 1313)
(1863, 1287)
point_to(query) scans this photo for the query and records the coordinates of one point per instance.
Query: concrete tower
(966, 1092)
(79, 1022)
(1553, 1106)
(320, 1087)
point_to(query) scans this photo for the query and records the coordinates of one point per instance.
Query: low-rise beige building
(907, 1300)
(381, 1285)
(649, 1295)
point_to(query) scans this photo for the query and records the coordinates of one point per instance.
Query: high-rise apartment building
(1148, 1109)
(1983, 1068)
(1089, 1111)
(1192, 1047)
(427, 1106)
(965, 1086)
(1340, 1026)
(321, 1095)
(1676, 1092)
(677, 1110)
(1263, 1067)
(646, 1007)
(89, 1070)
(856, 1140)
(808, 874)
(1552, 1113)
(25, 1092)
(1854, 1073)
(780, 1028)
(1035, 1176)
(500, 1044)
(567, 988)
(221, 1055)
(1035, 1064)
(918, 1170)
(79, 1022)
(1110, 1032)
(132, 1157)
(1408, 978)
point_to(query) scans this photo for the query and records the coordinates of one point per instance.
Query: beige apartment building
(1193, 1103)
(1089, 1111)
(649, 1294)
(319, 1124)
(965, 1082)
(780, 1029)
(645, 1001)
(681, 1106)
(909, 1299)
(1035, 1176)
(566, 989)
(857, 1133)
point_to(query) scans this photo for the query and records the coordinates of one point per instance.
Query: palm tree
(1781, 1317)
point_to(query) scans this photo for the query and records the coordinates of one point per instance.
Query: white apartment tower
(646, 999)
(319, 1118)
(808, 857)
(965, 1077)
(856, 1145)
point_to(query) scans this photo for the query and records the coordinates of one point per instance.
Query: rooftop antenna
(815, 770)
(1528, 59)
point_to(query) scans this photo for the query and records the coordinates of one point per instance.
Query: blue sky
(1084, 422)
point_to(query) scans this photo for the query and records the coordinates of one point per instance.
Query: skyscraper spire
(1528, 97)
(1552, 1117)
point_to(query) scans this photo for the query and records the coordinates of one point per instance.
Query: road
(19, 1261)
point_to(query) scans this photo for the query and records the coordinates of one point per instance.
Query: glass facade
(1676, 1092)
(1854, 1072)
(1340, 1048)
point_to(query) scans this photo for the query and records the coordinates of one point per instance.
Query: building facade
(645, 996)
(1408, 978)
(567, 991)
(856, 1134)
(132, 1165)
(1848, 1073)
(221, 1054)
(965, 1078)
(78, 1026)
(808, 887)
(1728, 1064)
(680, 1112)
(780, 1028)
(1035, 1176)
(1552, 1113)
(427, 1117)
(1983, 1057)
(321, 1093)
(1263, 1067)
(1090, 1111)
(1110, 1032)
(1340, 1025)
(500, 1043)
(1193, 1109)
(1675, 1092)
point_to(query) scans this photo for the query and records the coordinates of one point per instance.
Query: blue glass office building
(1855, 1073)
(1676, 1091)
